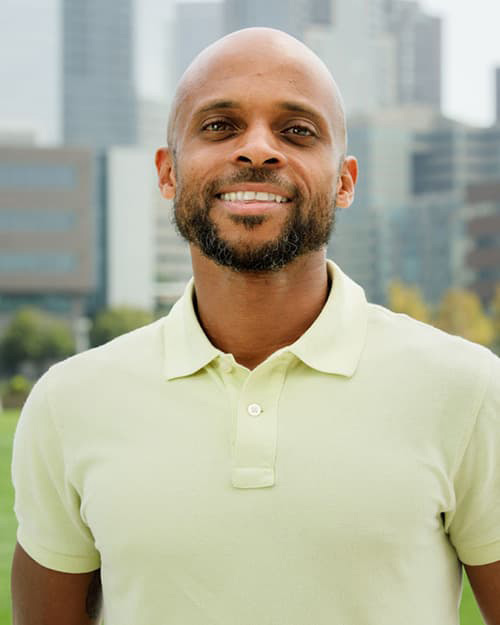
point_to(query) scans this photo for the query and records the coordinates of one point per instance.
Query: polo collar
(333, 344)
(335, 341)
(187, 348)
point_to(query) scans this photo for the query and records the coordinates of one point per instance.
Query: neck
(253, 315)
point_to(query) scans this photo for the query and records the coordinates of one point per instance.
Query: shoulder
(135, 354)
(425, 351)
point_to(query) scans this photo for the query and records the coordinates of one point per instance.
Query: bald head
(244, 52)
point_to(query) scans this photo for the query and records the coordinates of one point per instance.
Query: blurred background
(87, 246)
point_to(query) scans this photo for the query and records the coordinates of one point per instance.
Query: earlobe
(166, 174)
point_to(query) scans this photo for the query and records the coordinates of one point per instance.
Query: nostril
(244, 159)
(271, 161)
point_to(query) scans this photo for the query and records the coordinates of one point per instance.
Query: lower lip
(252, 208)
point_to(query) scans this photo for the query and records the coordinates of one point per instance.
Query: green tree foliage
(460, 312)
(115, 321)
(35, 337)
(408, 299)
(15, 392)
(495, 316)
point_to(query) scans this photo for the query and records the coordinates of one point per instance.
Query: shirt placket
(254, 452)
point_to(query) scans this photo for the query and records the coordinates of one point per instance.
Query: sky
(471, 50)
(29, 48)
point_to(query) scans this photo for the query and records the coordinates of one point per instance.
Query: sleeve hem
(58, 561)
(476, 556)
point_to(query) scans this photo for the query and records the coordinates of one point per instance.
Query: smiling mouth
(252, 196)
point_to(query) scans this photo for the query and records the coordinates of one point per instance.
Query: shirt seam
(45, 390)
(468, 433)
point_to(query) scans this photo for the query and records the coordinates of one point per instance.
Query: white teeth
(252, 195)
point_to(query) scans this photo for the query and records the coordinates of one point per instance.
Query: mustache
(252, 174)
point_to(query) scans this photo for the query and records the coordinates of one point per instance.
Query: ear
(166, 175)
(346, 182)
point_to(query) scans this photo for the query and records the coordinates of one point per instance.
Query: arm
(41, 596)
(485, 582)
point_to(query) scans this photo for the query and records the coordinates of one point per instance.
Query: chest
(343, 476)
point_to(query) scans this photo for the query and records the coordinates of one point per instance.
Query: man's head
(256, 151)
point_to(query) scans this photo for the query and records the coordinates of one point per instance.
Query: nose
(259, 147)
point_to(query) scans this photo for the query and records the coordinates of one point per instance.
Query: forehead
(264, 77)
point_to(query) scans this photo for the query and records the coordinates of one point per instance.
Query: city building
(427, 243)
(152, 117)
(172, 258)
(367, 76)
(482, 261)
(99, 101)
(394, 52)
(147, 262)
(287, 15)
(418, 46)
(130, 236)
(497, 95)
(196, 25)
(362, 243)
(49, 251)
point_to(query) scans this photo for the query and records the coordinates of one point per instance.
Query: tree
(408, 299)
(35, 337)
(115, 321)
(495, 313)
(460, 312)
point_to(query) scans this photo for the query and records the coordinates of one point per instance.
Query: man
(276, 451)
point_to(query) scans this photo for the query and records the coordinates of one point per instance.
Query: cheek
(318, 175)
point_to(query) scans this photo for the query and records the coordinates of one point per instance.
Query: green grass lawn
(469, 613)
(7, 521)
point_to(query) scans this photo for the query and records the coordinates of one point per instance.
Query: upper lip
(255, 186)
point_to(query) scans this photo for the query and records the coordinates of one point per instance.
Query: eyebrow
(218, 104)
(286, 106)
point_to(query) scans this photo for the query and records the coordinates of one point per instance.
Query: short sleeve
(475, 524)
(47, 506)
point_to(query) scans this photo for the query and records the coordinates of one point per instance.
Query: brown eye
(299, 131)
(217, 126)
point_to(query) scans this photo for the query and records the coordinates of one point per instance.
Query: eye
(217, 125)
(299, 130)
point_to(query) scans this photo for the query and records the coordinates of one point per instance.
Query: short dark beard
(300, 234)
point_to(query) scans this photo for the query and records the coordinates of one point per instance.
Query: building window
(10, 302)
(36, 176)
(36, 221)
(41, 262)
(321, 12)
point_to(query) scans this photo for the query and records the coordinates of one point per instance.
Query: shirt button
(226, 366)
(254, 410)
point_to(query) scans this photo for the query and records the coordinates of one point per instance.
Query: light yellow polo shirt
(337, 483)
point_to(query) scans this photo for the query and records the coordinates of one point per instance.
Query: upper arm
(485, 582)
(42, 596)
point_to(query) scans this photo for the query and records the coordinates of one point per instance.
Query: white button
(254, 410)
(226, 366)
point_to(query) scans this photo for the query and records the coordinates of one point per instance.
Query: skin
(248, 314)
(252, 315)
(41, 596)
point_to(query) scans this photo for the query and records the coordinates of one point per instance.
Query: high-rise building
(130, 240)
(497, 94)
(482, 261)
(382, 143)
(418, 45)
(196, 25)
(99, 101)
(287, 15)
(49, 252)
(152, 117)
(351, 37)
